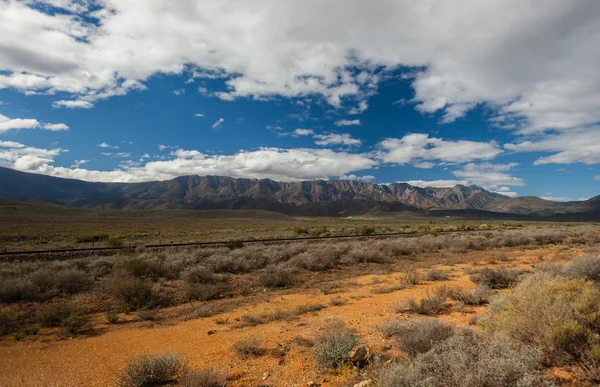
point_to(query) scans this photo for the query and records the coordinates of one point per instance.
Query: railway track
(87, 251)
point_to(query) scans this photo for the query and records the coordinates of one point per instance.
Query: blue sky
(505, 96)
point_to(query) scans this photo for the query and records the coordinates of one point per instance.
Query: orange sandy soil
(94, 360)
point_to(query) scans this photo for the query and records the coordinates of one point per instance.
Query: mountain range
(314, 198)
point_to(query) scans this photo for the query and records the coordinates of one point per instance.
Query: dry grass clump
(559, 315)
(65, 315)
(337, 301)
(495, 278)
(478, 296)
(206, 377)
(333, 344)
(584, 267)
(247, 348)
(410, 279)
(430, 305)
(436, 275)
(277, 277)
(250, 320)
(134, 292)
(468, 359)
(418, 335)
(146, 370)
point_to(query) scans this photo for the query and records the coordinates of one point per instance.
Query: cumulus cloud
(538, 71)
(303, 132)
(105, 145)
(55, 127)
(218, 123)
(347, 122)
(198, 115)
(493, 177)
(274, 163)
(418, 148)
(336, 139)
(365, 178)
(7, 124)
(76, 104)
(578, 145)
(436, 183)
(78, 163)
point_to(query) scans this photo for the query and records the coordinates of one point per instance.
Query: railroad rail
(86, 251)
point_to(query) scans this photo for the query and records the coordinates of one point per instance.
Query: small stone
(364, 383)
(265, 376)
(312, 384)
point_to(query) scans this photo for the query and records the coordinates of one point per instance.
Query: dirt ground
(46, 360)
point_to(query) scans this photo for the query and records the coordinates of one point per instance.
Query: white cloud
(79, 163)
(105, 145)
(198, 115)
(178, 92)
(556, 199)
(362, 106)
(303, 132)
(7, 124)
(424, 165)
(75, 104)
(492, 177)
(336, 139)
(577, 145)
(347, 122)
(365, 178)
(417, 148)
(534, 64)
(218, 123)
(55, 127)
(274, 163)
(435, 183)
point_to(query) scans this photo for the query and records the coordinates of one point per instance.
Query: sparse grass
(410, 279)
(436, 275)
(250, 320)
(419, 335)
(430, 305)
(146, 370)
(205, 377)
(495, 278)
(333, 344)
(587, 267)
(468, 359)
(477, 296)
(247, 348)
(337, 301)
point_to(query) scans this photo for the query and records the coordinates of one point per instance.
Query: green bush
(54, 313)
(559, 315)
(333, 344)
(147, 370)
(468, 360)
(429, 305)
(132, 291)
(113, 241)
(7, 323)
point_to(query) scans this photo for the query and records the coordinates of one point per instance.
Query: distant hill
(313, 198)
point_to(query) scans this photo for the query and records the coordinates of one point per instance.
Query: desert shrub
(199, 274)
(303, 309)
(76, 323)
(248, 348)
(410, 278)
(420, 335)
(584, 267)
(143, 268)
(317, 260)
(206, 377)
(559, 315)
(367, 230)
(7, 322)
(478, 296)
(113, 241)
(468, 360)
(148, 314)
(91, 238)
(135, 292)
(333, 344)
(391, 327)
(337, 301)
(111, 317)
(205, 292)
(277, 277)
(19, 289)
(496, 278)
(146, 370)
(433, 304)
(54, 313)
(72, 281)
(436, 275)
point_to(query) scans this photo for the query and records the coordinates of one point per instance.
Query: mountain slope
(319, 197)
